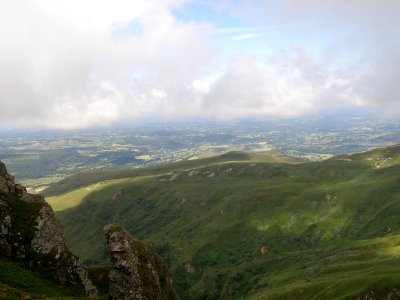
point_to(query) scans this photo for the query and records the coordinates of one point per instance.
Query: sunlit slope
(322, 230)
(91, 177)
(377, 158)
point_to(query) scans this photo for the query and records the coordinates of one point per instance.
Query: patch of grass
(99, 276)
(75, 197)
(28, 281)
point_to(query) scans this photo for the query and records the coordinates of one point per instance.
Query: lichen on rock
(137, 272)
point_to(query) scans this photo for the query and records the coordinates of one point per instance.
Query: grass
(331, 228)
(91, 177)
(25, 281)
(17, 282)
(75, 197)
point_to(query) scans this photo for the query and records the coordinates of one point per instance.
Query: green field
(327, 230)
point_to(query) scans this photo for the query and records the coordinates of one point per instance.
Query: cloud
(362, 36)
(69, 64)
(73, 64)
(377, 83)
(246, 36)
(293, 84)
(355, 12)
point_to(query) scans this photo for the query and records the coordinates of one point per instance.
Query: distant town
(38, 158)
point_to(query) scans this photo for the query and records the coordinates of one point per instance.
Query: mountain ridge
(90, 177)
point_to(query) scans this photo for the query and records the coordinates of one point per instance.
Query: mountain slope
(90, 177)
(259, 230)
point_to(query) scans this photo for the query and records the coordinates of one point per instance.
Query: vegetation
(99, 276)
(24, 215)
(90, 177)
(17, 282)
(263, 230)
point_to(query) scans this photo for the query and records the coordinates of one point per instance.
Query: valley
(39, 158)
(254, 226)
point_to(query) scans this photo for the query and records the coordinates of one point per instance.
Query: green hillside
(94, 176)
(234, 229)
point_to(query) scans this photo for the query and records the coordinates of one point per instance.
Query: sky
(81, 63)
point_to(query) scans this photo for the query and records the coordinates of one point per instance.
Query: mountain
(35, 261)
(232, 228)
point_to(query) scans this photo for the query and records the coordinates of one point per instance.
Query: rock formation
(393, 294)
(137, 272)
(30, 234)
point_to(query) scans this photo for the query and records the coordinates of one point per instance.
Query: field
(235, 227)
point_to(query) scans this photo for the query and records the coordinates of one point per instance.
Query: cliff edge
(31, 236)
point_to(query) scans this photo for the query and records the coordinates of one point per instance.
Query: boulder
(137, 272)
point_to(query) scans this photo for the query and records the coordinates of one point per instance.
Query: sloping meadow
(263, 230)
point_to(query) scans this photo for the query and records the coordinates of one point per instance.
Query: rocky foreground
(31, 236)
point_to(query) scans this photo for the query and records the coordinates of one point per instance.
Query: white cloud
(246, 36)
(292, 85)
(66, 63)
(360, 36)
(73, 64)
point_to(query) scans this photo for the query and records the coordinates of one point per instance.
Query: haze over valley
(40, 157)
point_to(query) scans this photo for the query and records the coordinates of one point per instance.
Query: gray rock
(3, 185)
(31, 198)
(5, 227)
(7, 184)
(48, 235)
(137, 272)
(393, 294)
(190, 268)
(46, 247)
(3, 169)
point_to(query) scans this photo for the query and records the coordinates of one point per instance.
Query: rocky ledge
(31, 235)
(137, 272)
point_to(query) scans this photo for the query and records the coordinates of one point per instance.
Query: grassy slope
(91, 177)
(17, 283)
(331, 228)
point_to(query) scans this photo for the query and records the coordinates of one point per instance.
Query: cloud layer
(74, 64)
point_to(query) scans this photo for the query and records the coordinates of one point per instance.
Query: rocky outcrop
(137, 272)
(30, 234)
(7, 184)
(393, 294)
